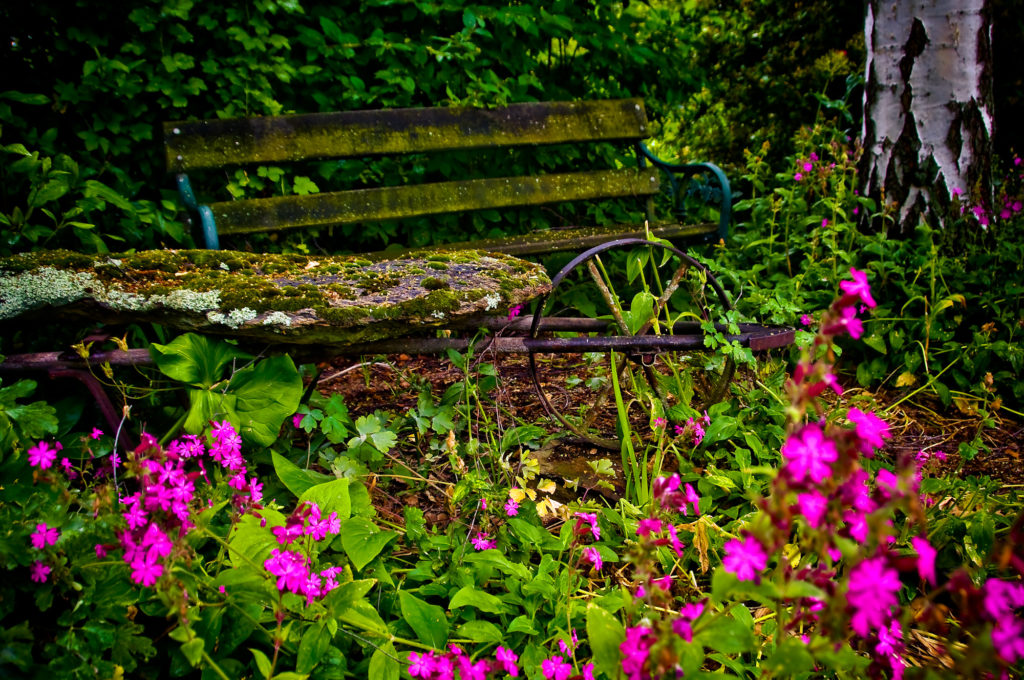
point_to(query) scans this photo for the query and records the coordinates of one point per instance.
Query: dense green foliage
(90, 83)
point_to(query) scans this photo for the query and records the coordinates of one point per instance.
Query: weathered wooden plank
(217, 143)
(387, 203)
(274, 298)
(556, 240)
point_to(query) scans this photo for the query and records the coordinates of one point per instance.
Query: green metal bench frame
(195, 145)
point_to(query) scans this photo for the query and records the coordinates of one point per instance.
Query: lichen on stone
(291, 298)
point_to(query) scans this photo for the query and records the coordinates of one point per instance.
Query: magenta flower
(873, 592)
(745, 558)
(482, 542)
(677, 545)
(587, 520)
(660, 422)
(507, 659)
(798, 177)
(43, 536)
(40, 572)
(858, 288)
(101, 551)
(511, 508)
(588, 672)
(594, 557)
(514, 311)
(483, 503)
(421, 665)
(692, 498)
(1008, 639)
(555, 668)
(96, 433)
(41, 455)
(297, 420)
(688, 613)
(807, 319)
(808, 166)
(812, 506)
(871, 430)
(808, 454)
(648, 525)
(146, 573)
(635, 649)
(925, 558)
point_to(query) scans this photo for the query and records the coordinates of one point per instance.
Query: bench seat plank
(387, 203)
(560, 240)
(190, 145)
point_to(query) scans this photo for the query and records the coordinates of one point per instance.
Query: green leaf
(875, 342)
(494, 558)
(427, 620)
(728, 636)
(331, 497)
(295, 478)
(195, 359)
(384, 663)
(250, 543)
(522, 624)
(789, 659)
(262, 662)
(363, 540)
(312, 647)
(605, 634)
(480, 631)
(304, 186)
(472, 597)
(267, 393)
(193, 650)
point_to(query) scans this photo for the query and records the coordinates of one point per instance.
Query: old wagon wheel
(665, 298)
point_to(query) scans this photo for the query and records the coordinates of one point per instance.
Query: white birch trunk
(927, 107)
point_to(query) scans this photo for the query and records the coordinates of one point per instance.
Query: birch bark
(927, 108)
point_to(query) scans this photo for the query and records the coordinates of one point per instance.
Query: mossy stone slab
(275, 298)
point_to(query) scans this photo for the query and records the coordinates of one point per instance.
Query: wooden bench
(222, 145)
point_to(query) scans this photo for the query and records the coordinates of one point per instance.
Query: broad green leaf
(314, 643)
(384, 663)
(250, 543)
(363, 540)
(331, 497)
(195, 359)
(193, 650)
(605, 634)
(295, 478)
(364, 616)
(728, 636)
(205, 406)
(494, 558)
(480, 631)
(522, 624)
(427, 620)
(347, 594)
(472, 597)
(267, 393)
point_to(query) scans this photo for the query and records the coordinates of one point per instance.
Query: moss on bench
(277, 298)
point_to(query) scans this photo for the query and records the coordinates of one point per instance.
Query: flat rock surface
(277, 298)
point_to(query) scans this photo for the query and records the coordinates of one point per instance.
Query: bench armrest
(712, 190)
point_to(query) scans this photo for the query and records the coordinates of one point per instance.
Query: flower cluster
(292, 568)
(436, 666)
(158, 513)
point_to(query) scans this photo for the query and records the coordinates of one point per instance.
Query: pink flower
(297, 420)
(555, 668)
(798, 177)
(101, 551)
(677, 545)
(507, 658)
(692, 498)
(824, 223)
(688, 613)
(660, 422)
(1007, 638)
(871, 430)
(483, 503)
(588, 518)
(808, 166)
(41, 455)
(511, 508)
(846, 323)
(96, 433)
(514, 311)
(40, 572)
(648, 525)
(858, 288)
(812, 506)
(588, 672)
(635, 649)
(808, 454)
(146, 573)
(807, 319)
(873, 592)
(44, 536)
(481, 542)
(745, 558)
(925, 558)
(594, 557)
(421, 665)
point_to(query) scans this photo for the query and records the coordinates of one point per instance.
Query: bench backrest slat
(240, 141)
(386, 203)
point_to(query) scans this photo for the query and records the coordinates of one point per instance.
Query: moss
(438, 266)
(432, 283)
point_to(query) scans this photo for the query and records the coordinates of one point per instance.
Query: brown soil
(915, 426)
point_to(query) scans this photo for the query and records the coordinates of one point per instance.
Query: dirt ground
(915, 425)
